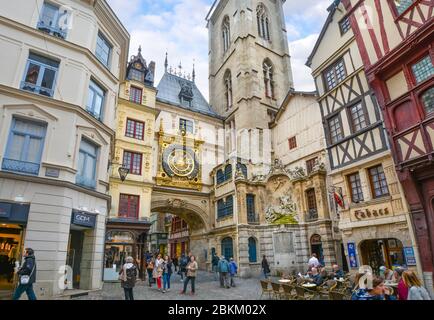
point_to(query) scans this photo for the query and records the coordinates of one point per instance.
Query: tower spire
(194, 72)
(166, 63)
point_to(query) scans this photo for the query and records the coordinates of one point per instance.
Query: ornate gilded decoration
(179, 161)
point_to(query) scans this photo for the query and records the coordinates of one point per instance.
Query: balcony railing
(86, 182)
(20, 166)
(37, 89)
(55, 31)
(253, 218)
(312, 215)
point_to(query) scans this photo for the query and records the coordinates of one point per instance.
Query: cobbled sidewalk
(206, 289)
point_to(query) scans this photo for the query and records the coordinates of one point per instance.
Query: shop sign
(5, 210)
(83, 219)
(410, 258)
(352, 255)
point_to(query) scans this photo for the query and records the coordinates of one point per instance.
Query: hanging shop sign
(352, 255)
(410, 258)
(83, 219)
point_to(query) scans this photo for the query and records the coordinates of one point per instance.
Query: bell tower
(249, 73)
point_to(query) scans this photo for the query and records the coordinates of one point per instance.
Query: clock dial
(180, 161)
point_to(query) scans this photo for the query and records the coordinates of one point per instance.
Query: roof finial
(194, 72)
(140, 49)
(180, 69)
(166, 63)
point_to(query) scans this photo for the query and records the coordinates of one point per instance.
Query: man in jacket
(233, 270)
(28, 269)
(223, 268)
(215, 263)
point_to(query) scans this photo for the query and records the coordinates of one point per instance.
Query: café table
(284, 280)
(309, 285)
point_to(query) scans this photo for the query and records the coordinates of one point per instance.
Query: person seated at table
(316, 277)
(386, 274)
(377, 291)
(323, 273)
(337, 272)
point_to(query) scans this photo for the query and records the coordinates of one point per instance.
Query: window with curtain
(133, 161)
(226, 33)
(263, 22)
(103, 49)
(268, 79)
(129, 206)
(87, 159)
(40, 75)
(24, 148)
(228, 89)
(135, 129)
(95, 100)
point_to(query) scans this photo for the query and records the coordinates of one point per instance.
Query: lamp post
(123, 173)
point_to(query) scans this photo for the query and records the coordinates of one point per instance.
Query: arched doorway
(316, 247)
(382, 252)
(227, 248)
(253, 256)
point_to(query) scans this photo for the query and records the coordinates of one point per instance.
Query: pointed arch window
(226, 32)
(263, 22)
(268, 79)
(228, 89)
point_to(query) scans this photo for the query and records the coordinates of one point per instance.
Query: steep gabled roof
(331, 10)
(183, 93)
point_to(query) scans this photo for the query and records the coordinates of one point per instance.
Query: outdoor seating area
(301, 288)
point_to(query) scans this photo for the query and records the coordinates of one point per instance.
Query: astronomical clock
(179, 161)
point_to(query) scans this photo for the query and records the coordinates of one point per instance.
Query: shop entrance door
(10, 255)
(75, 252)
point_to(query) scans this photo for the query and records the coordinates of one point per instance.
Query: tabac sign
(83, 219)
(5, 210)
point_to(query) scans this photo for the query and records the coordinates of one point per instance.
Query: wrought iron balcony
(54, 31)
(20, 166)
(312, 215)
(86, 182)
(37, 89)
(253, 218)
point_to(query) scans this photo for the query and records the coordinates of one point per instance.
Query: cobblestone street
(206, 289)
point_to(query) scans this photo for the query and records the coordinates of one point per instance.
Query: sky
(179, 28)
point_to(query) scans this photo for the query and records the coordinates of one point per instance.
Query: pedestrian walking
(183, 266)
(402, 288)
(223, 268)
(416, 290)
(158, 271)
(175, 263)
(265, 267)
(167, 273)
(27, 276)
(128, 277)
(150, 269)
(233, 270)
(214, 264)
(191, 275)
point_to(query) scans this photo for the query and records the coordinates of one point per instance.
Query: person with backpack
(214, 264)
(223, 268)
(128, 277)
(183, 267)
(233, 270)
(27, 276)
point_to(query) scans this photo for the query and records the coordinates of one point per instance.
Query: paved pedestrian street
(206, 289)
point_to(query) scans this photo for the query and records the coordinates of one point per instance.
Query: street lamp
(123, 172)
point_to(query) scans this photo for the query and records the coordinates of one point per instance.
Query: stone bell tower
(249, 74)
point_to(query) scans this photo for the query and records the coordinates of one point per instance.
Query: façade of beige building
(374, 218)
(58, 89)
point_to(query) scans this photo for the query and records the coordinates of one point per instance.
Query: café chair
(277, 290)
(303, 293)
(326, 287)
(288, 291)
(266, 289)
(335, 295)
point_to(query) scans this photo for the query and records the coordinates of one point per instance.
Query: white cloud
(179, 27)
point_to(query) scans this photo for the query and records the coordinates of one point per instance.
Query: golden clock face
(138, 66)
(180, 161)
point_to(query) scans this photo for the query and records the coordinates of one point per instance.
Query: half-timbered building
(373, 212)
(395, 39)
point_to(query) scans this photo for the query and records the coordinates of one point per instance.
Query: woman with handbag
(27, 276)
(158, 271)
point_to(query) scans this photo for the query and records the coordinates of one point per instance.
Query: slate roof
(169, 90)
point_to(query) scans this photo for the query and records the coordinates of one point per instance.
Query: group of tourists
(225, 270)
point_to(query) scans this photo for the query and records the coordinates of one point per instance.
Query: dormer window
(186, 93)
(137, 75)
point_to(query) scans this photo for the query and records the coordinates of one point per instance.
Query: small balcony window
(53, 21)
(40, 75)
(95, 101)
